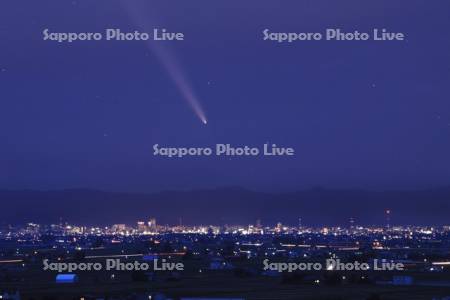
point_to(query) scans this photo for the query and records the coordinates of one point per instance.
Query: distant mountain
(226, 206)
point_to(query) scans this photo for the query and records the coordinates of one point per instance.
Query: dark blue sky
(359, 114)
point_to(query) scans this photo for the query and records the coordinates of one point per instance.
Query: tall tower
(352, 222)
(388, 218)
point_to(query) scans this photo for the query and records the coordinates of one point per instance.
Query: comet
(180, 79)
(168, 61)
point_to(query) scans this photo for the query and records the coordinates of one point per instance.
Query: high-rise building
(141, 226)
(279, 227)
(152, 224)
(118, 227)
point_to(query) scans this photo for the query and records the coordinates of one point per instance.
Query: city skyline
(258, 227)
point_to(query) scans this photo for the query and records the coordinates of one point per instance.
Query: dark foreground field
(211, 284)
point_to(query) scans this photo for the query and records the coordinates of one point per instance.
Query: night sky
(369, 115)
